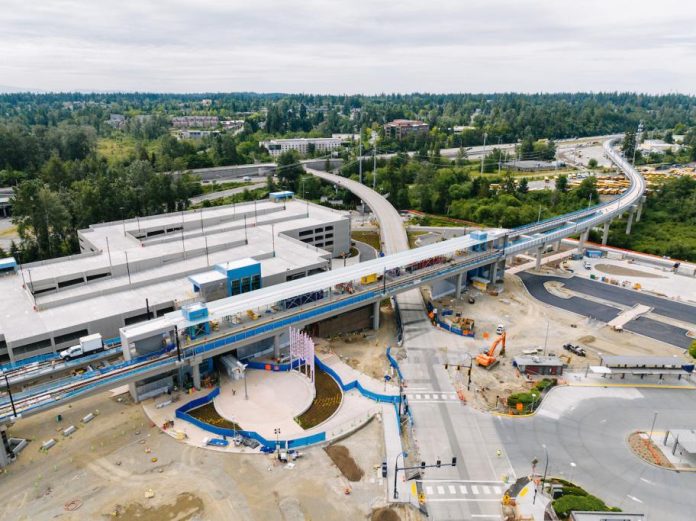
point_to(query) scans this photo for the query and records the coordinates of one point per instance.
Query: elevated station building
(139, 269)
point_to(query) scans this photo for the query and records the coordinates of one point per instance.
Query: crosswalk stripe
(440, 490)
(462, 489)
(429, 490)
(486, 489)
(451, 489)
(418, 397)
(452, 397)
(474, 489)
(497, 490)
(426, 396)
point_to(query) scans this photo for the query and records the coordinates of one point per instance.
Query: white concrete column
(605, 233)
(4, 455)
(375, 315)
(581, 242)
(133, 391)
(540, 249)
(630, 222)
(276, 346)
(558, 245)
(196, 370)
(639, 210)
(494, 272)
(458, 293)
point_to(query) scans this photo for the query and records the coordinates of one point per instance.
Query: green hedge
(563, 506)
(546, 383)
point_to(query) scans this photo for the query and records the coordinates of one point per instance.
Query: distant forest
(71, 168)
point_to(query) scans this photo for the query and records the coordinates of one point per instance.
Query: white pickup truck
(88, 344)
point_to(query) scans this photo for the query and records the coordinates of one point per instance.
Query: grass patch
(371, 238)
(326, 401)
(412, 236)
(440, 220)
(208, 414)
(246, 195)
(341, 457)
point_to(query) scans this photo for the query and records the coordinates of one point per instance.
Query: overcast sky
(349, 46)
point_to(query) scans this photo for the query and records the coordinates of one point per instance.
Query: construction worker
(498, 453)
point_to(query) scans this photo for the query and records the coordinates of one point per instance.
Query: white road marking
(418, 397)
(488, 516)
(440, 490)
(451, 489)
(474, 489)
(426, 396)
(452, 397)
(429, 491)
(634, 498)
(463, 489)
(442, 500)
(486, 489)
(497, 490)
(647, 481)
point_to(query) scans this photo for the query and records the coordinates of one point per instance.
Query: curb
(671, 469)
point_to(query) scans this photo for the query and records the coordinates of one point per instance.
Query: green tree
(562, 183)
(692, 349)
(592, 163)
(289, 169)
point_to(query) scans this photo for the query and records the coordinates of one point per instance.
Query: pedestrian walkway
(432, 397)
(392, 443)
(348, 374)
(463, 490)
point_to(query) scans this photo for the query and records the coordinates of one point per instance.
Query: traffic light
(454, 461)
(438, 463)
(446, 366)
(458, 367)
(422, 465)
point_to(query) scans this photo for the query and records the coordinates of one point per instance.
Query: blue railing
(182, 414)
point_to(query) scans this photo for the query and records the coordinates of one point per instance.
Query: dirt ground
(340, 455)
(365, 351)
(106, 470)
(526, 321)
(612, 269)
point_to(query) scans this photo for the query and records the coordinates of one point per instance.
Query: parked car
(575, 349)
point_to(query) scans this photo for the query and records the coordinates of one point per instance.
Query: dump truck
(88, 344)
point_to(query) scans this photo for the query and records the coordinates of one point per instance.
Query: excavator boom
(488, 359)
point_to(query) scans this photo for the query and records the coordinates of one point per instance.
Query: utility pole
(360, 156)
(483, 156)
(374, 167)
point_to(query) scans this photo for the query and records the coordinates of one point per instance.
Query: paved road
(629, 297)
(581, 306)
(225, 193)
(367, 252)
(660, 331)
(589, 427)
(645, 326)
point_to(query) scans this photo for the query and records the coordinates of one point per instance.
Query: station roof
(7, 263)
(527, 360)
(268, 296)
(642, 361)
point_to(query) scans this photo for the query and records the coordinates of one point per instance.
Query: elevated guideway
(399, 272)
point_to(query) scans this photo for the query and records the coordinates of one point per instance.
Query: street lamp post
(543, 480)
(396, 471)
(276, 431)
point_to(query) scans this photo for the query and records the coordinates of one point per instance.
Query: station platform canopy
(643, 362)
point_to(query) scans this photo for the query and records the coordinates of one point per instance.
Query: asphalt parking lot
(642, 325)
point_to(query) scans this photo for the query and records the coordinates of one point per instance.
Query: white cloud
(356, 46)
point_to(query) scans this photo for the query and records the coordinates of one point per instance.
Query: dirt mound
(613, 269)
(341, 457)
(587, 339)
(384, 514)
(187, 506)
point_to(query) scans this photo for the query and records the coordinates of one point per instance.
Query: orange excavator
(488, 359)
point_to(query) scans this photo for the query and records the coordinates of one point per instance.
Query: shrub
(563, 506)
(692, 349)
(546, 383)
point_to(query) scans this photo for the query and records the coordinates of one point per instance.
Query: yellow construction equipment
(368, 279)
(251, 314)
(488, 359)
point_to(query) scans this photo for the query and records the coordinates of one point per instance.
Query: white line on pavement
(429, 490)
(451, 489)
(477, 500)
(463, 489)
(634, 498)
(474, 489)
(440, 490)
